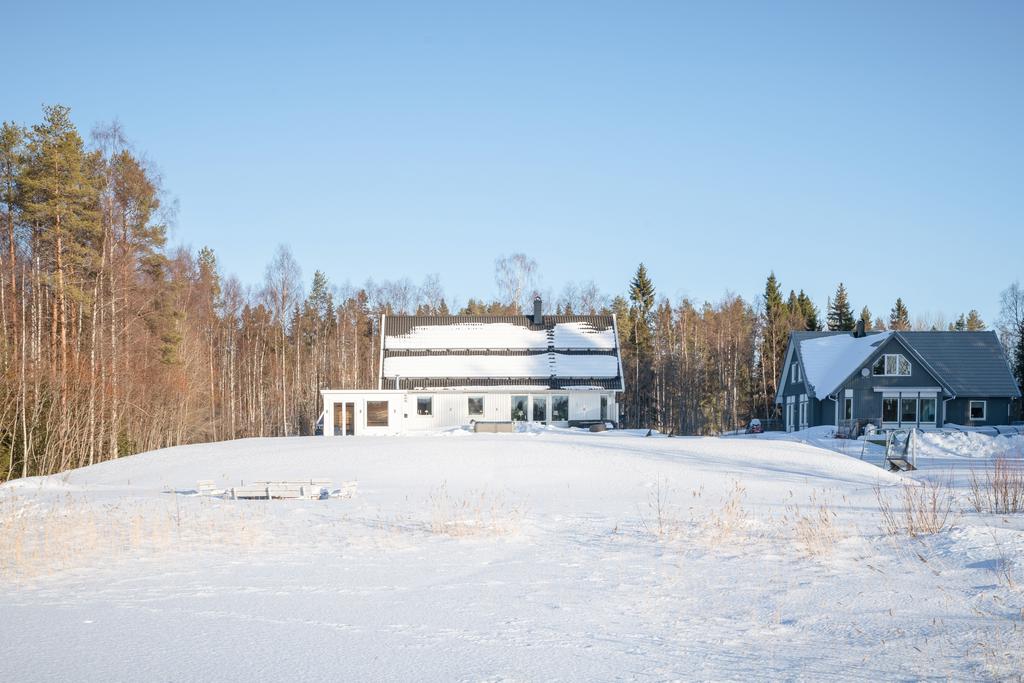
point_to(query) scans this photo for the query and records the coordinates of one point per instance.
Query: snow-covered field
(551, 555)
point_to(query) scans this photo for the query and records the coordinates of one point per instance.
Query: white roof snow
(582, 335)
(533, 365)
(829, 360)
(469, 335)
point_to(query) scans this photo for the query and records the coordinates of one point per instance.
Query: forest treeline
(116, 343)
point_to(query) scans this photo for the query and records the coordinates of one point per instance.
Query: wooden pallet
(308, 489)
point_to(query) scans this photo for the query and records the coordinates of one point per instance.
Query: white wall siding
(451, 408)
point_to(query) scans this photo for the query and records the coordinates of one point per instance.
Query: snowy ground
(503, 557)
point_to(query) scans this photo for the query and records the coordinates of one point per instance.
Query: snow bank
(968, 445)
(546, 555)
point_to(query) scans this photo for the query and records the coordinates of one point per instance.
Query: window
(376, 413)
(559, 408)
(891, 365)
(908, 409)
(424, 405)
(978, 410)
(848, 408)
(540, 408)
(927, 410)
(890, 410)
(803, 413)
(475, 405)
(604, 407)
(796, 373)
(518, 408)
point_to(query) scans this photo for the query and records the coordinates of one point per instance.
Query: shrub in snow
(920, 508)
(998, 488)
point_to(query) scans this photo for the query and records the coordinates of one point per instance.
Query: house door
(350, 419)
(344, 420)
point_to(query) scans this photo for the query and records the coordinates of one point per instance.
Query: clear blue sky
(879, 143)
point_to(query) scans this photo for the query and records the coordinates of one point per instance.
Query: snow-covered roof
(510, 350)
(827, 361)
(582, 335)
(502, 335)
(529, 365)
(469, 335)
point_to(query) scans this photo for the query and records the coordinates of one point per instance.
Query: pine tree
(840, 315)
(865, 317)
(1018, 357)
(809, 311)
(960, 325)
(60, 190)
(641, 302)
(772, 296)
(899, 318)
(793, 304)
(974, 321)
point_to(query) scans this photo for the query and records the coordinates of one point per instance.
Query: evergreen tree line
(116, 343)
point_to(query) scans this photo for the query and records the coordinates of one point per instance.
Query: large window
(540, 408)
(559, 408)
(376, 413)
(978, 410)
(424, 405)
(908, 409)
(927, 410)
(890, 410)
(891, 365)
(519, 408)
(475, 404)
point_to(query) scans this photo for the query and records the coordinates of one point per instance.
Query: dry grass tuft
(999, 487)
(921, 508)
(814, 527)
(730, 520)
(41, 537)
(478, 513)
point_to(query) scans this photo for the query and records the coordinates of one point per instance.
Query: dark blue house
(895, 380)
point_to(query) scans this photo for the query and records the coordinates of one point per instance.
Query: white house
(445, 371)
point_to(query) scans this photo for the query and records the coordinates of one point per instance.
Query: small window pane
(376, 413)
(559, 408)
(890, 410)
(927, 410)
(540, 408)
(977, 410)
(518, 408)
(424, 405)
(908, 410)
(903, 366)
(879, 367)
(476, 405)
